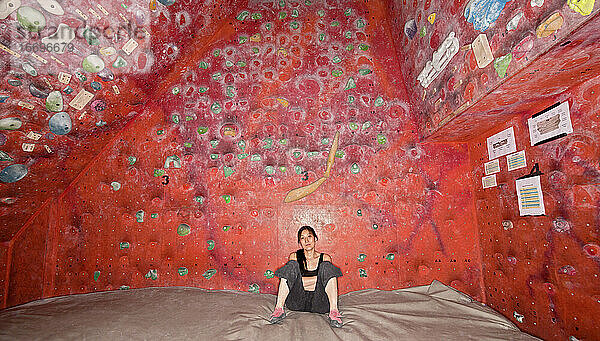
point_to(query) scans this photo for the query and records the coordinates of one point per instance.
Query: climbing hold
(254, 288)
(501, 64)
(362, 273)
(353, 126)
(93, 64)
(379, 101)
(91, 37)
(270, 170)
(381, 139)
(152, 274)
(27, 67)
(182, 271)
(550, 25)
(209, 273)
(359, 212)
(31, 19)
(375, 226)
(560, 225)
(211, 244)
(119, 62)
(202, 130)
(362, 257)
(351, 84)
(518, 317)
(5, 157)
(173, 160)
(10, 123)
(226, 228)
(139, 216)
(242, 15)
(355, 168)
(390, 256)
(431, 18)
(124, 245)
(183, 229)
(54, 101)
(410, 28)
(13, 173)
(96, 275)
(269, 274)
(216, 108)
(583, 7)
(115, 185)
(227, 171)
(227, 198)
(132, 160)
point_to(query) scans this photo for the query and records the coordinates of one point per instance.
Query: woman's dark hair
(300, 253)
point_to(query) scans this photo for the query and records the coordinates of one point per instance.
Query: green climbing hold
(363, 47)
(325, 141)
(159, 173)
(390, 256)
(375, 226)
(241, 63)
(269, 274)
(226, 227)
(124, 245)
(214, 143)
(423, 32)
(336, 59)
(294, 25)
(242, 39)
(282, 169)
(187, 144)
(202, 89)
(335, 23)
(152, 274)
(298, 169)
(283, 142)
(160, 132)
(90, 37)
(381, 139)
(501, 64)
(348, 35)
(242, 15)
(230, 91)
(366, 125)
(154, 215)
(352, 125)
(355, 168)
(139, 216)
(216, 52)
(132, 160)
(340, 154)
(227, 198)
(321, 13)
(362, 257)
(297, 154)
(359, 212)
(282, 15)
(175, 118)
(216, 108)
(119, 62)
(268, 143)
(360, 23)
(172, 160)
(54, 101)
(364, 72)
(255, 157)
(96, 275)
(312, 154)
(270, 170)
(229, 63)
(203, 65)
(115, 186)
(268, 26)
(254, 288)
(351, 84)
(351, 99)
(216, 76)
(242, 156)
(348, 12)
(256, 16)
(209, 273)
(242, 145)
(322, 37)
(211, 244)
(379, 101)
(182, 271)
(362, 272)
(227, 171)
(337, 73)
(295, 13)
(124, 287)
(202, 130)
(199, 199)
(183, 229)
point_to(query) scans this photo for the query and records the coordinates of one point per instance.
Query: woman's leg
(331, 289)
(282, 293)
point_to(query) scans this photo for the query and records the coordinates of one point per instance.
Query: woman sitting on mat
(308, 281)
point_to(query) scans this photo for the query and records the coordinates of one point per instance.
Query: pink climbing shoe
(335, 319)
(277, 316)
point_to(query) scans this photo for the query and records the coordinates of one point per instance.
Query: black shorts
(301, 300)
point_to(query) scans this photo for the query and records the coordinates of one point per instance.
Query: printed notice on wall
(502, 143)
(549, 124)
(489, 181)
(492, 167)
(516, 160)
(531, 199)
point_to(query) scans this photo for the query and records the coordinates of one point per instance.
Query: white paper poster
(554, 121)
(516, 160)
(531, 199)
(489, 181)
(502, 143)
(492, 167)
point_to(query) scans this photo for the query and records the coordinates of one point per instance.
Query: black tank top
(312, 273)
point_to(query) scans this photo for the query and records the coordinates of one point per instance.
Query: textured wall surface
(201, 116)
(518, 33)
(546, 268)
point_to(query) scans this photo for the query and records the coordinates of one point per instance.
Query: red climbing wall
(546, 268)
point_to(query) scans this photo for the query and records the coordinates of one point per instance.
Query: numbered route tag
(81, 100)
(48, 149)
(116, 89)
(130, 46)
(28, 147)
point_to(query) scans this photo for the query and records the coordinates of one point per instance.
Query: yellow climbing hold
(255, 38)
(431, 18)
(284, 102)
(583, 7)
(550, 25)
